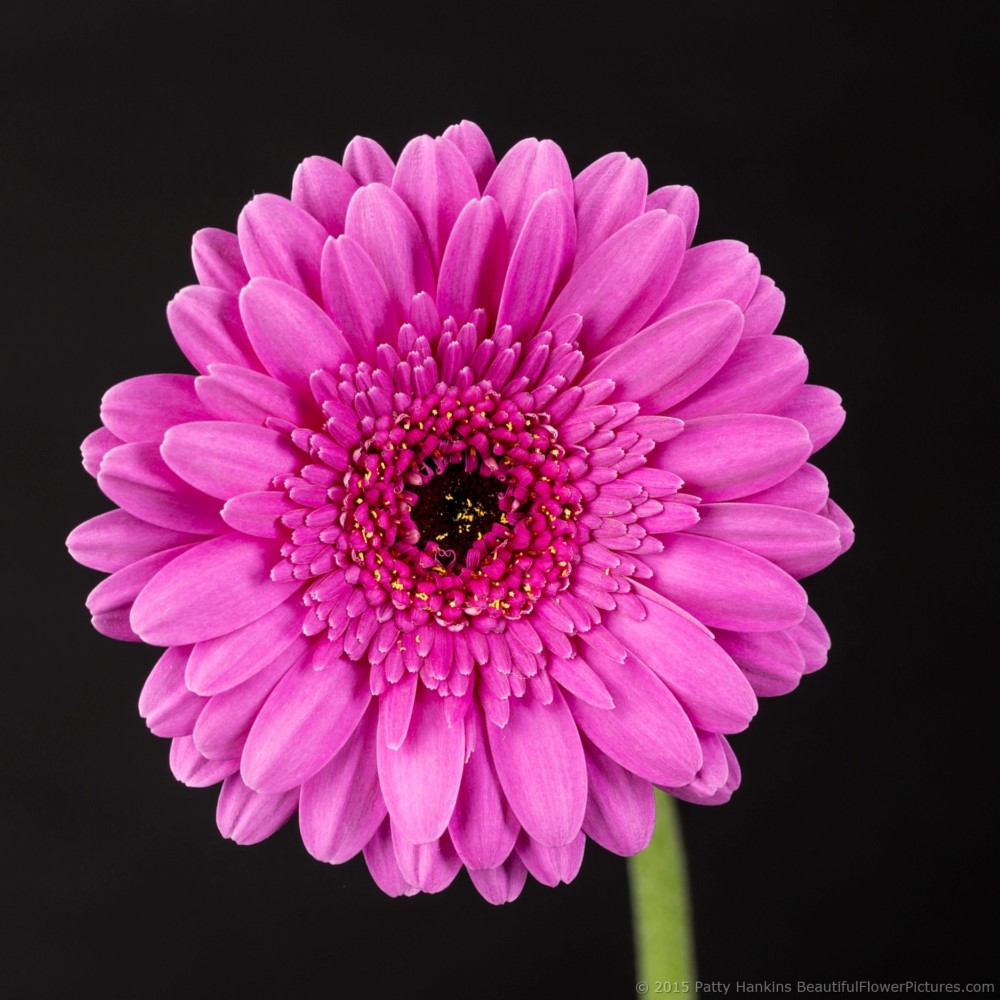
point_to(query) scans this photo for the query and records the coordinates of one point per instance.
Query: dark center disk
(456, 508)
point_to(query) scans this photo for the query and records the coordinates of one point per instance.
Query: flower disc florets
(526, 551)
(484, 515)
(386, 542)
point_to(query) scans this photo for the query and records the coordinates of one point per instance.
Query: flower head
(483, 515)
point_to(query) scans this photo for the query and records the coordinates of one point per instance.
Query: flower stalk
(661, 912)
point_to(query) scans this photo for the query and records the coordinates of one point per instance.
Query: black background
(846, 145)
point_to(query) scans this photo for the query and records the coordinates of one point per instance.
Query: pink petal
(675, 516)
(762, 315)
(211, 589)
(341, 806)
(207, 326)
(323, 188)
(797, 542)
(217, 260)
(114, 540)
(724, 793)
(710, 687)
(539, 263)
(667, 361)
(222, 663)
(813, 639)
(622, 282)
(474, 262)
(381, 860)
(734, 455)
(641, 592)
(166, 704)
(843, 524)
(248, 817)
(222, 728)
(258, 514)
(95, 446)
(224, 459)
(232, 393)
(435, 180)
(725, 586)
(290, 333)
(771, 661)
(724, 269)
(475, 147)
(713, 774)
(502, 884)
(396, 709)
(647, 732)
(306, 719)
(144, 408)
(420, 780)
(189, 767)
(621, 811)
(431, 866)
(603, 641)
(552, 865)
(279, 240)
(541, 767)
(528, 170)
(136, 478)
(679, 200)
(367, 162)
(609, 194)
(483, 828)
(380, 222)
(805, 489)
(355, 296)
(760, 375)
(111, 602)
(819, 410)
(576, 677)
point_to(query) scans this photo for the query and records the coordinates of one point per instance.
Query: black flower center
(456, 508)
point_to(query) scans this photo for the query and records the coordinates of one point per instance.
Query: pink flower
(484, 514)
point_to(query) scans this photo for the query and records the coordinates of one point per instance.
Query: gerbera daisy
(483, 515)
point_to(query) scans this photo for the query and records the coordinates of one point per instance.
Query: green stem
(661, 915)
